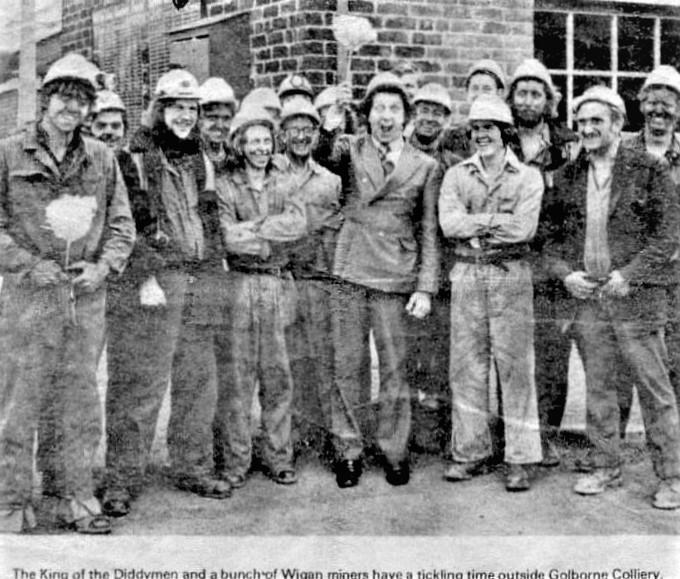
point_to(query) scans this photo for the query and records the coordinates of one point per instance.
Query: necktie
(387, 165)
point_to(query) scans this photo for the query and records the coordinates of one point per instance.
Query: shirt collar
(394, 147)
(312, 165)
(510, 162)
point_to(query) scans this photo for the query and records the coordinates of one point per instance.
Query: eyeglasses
(300, 131)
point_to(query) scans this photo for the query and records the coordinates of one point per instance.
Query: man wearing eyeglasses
(310, 336)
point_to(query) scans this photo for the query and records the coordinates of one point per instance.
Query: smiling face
(481, 83)
(215, 121)
(661, 109)
(180, 116)
(529, 102)
(258, 146)
(67, 109)
(486, 136)
(429, 119)
(387, 116)
(597, 127)
(301, 136)
(109, 126)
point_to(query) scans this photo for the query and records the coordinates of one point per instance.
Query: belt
(277, 271)
(496, 258)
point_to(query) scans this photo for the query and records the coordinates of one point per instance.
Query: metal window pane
(629, 89)
(592, 42)
(583, 82)
(636, 44)
(550, 38)
(670, 42)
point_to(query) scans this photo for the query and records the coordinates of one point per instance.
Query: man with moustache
(489, 204)
(65, 226)
(660, 105)
(545, 145)
(160, 326)
(611, 236)
(309, 337)
(387, 262)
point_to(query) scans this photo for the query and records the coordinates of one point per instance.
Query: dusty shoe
(517, 478)
(460, 471)
(285, 476)
(598, 481)
(667, 495)
(205, 486)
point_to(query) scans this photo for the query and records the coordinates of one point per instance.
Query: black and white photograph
(340, 289)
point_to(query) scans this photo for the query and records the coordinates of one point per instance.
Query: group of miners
(254, 250)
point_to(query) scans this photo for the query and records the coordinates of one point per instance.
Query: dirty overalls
(310, 336)
(256, 224)
(147, 346)
(52, 336)
(491, 306)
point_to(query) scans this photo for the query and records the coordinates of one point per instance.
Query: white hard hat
(295, 83)
(534, 69)
(263, 97)
(326, 97)
(490, 107)
(385, 80)
(177, 84)
(73, 66)
(664, 75)
(107, 100)
(433, 92)
(299, 106)
(249, 115)
(487, 66)
(601, 94)
(216, 90)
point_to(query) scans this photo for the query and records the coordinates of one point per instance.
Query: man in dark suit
(611, 227)
(387, 262)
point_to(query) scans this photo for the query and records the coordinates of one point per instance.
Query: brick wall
(76, 27)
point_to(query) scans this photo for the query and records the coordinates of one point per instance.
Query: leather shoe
(347, 473)
(397, 474)
(517, 478)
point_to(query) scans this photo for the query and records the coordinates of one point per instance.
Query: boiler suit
(48, 368)
(255, 227)
(491, 305)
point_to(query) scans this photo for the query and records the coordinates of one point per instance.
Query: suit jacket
(643, 229)
(388, 240)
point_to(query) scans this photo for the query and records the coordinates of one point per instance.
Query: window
(612, 43)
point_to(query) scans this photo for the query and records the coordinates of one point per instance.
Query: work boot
(598, 481)
(667, 495)
(348, 473)
(460, 471)
(517, 478)
(397, 474)
(116, 502)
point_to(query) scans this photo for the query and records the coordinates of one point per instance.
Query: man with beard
(388, 263)
(660, 105)
(217, 108)
(65, 225)
(611, 236)
(160, 325)
(547, 146)
(310, 336)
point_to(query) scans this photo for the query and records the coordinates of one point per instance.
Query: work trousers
(261, 307)
(48, 385)
(492, 323)
(147, 346)
(356, 311)
(552, 339)
(310, 348)
(603, 341)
